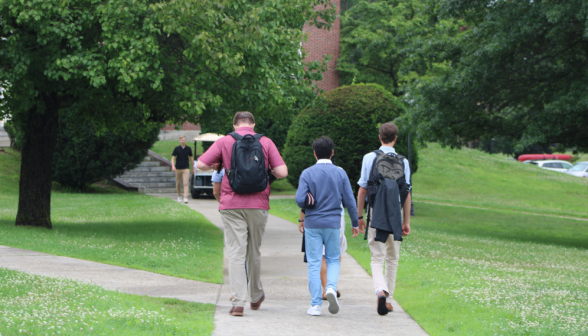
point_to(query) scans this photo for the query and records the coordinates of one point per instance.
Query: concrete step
(169, 174)
(133, 180)
(147, 158)
(151, 169)
(155, 184)
(5, 143)
(160, 190)
(149, 164)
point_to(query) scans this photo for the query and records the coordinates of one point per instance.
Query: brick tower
(325, 42)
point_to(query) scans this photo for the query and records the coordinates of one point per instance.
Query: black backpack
(248, 173)
(387, 166)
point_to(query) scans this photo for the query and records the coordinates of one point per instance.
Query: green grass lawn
(470, 272)
(127, 229)
(282, 187)
(166, 148)
(472, 177)
(37, 305)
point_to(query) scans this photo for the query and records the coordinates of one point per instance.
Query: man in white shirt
(388, 252)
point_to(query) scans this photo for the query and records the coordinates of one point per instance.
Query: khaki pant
(384, 253)
(244, 230)
(183, 174)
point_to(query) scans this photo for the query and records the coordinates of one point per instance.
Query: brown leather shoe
(256, 305)
(389, 306)
(236, 311)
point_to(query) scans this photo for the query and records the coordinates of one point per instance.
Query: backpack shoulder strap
(258, 136)
(378, 152)
(236, 136)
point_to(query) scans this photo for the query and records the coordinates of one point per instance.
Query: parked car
(557, 165)
(200, 182)
(579, 169)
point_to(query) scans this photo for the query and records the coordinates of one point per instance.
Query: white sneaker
(333, 303)
(314, 311)
(185, 200)
(179, 198)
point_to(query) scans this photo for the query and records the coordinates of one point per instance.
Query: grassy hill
(474, 178)
(492, 271)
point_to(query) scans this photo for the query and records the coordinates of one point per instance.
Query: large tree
(520, 71)
(381, 43)
(174, 59)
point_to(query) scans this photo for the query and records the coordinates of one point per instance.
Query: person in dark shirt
(182, 164)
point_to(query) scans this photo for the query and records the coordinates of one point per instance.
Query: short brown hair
(388, 132)
(243, 115)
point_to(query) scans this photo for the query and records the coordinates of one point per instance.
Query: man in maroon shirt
(244, 215)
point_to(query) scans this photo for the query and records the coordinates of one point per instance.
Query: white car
(580, 169)
(557, 165)
(201, 181)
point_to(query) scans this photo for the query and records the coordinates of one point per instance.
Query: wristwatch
(300, 220)
(360, 217)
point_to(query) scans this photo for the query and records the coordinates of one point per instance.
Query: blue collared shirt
(368, 161)
(218, 177)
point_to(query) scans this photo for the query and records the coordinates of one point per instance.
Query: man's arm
(406, 208)
(211, 159)
(173, 163)
(360, 205)
(301, 192)
(280, 172)
(201, 166)
(216, 186)
(350, 202)
(301, 222)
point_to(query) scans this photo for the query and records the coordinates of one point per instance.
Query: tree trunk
(34, 202)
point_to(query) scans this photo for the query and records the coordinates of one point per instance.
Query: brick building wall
(187, 126)
(325, 42)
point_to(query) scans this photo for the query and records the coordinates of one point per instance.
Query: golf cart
(201, 182)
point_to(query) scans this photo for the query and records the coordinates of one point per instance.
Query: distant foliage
(84, 156)
(517, 71)
(349, 115)
(15, 137)
(383, 42)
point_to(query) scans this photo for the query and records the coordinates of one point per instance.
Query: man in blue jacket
(321, 190)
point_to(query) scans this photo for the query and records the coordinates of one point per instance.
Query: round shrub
(351, 116)
(84, 156)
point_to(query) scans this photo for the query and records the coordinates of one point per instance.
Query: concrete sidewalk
(123, 279)
(285, 282)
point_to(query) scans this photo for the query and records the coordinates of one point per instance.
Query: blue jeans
(315, 238)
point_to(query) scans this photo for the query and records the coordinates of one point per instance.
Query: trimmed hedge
(351, 116)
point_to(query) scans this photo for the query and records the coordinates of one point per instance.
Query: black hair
(323, 147)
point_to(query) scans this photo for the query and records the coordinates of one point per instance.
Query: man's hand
(301, 227)
(361, 225)
(173, 168)
(405, 229)
(354, 231)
